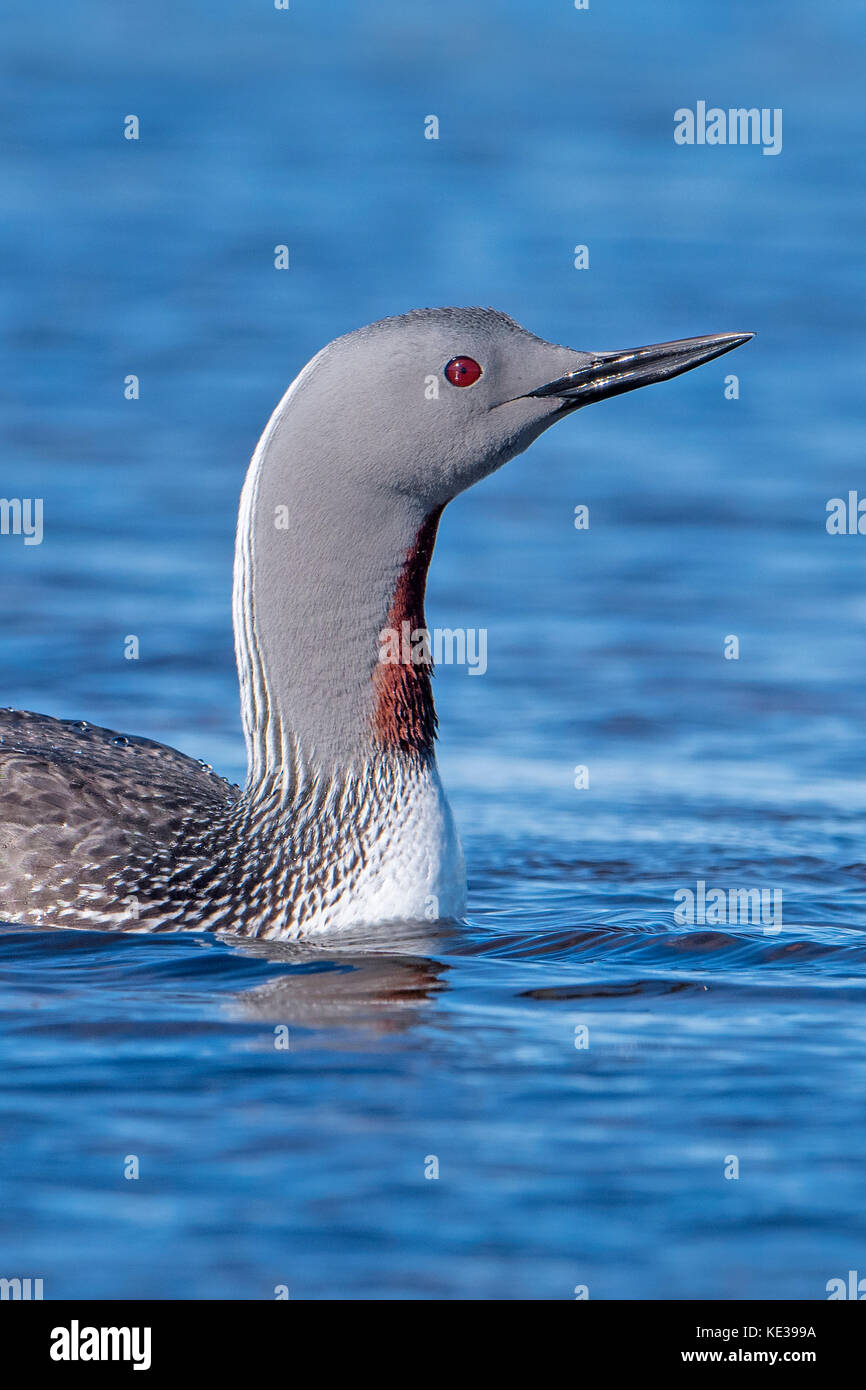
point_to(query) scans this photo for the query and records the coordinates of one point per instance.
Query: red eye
(462, 371)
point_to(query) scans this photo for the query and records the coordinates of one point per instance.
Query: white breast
(412, 868)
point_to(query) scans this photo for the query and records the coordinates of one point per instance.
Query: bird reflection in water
(351, 986)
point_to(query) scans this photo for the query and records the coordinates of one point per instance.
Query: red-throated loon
(342, 821)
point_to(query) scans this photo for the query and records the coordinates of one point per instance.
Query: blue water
(559, 1165)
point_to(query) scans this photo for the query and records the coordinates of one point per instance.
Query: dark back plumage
(83, 809)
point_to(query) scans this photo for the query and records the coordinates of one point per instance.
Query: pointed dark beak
(612, 373)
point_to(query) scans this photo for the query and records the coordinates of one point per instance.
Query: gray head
(380, 430)
(432, 401)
